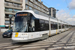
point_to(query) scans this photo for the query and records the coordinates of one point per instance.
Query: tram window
(41, 25)
(32, 26)
(59, 26)
(37, 25)
(46, 25)
(53, 25)
(63, 26)
(31, 23)
(66, 26)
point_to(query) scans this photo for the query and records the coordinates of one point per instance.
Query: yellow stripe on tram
(16, 34)
(56, 31)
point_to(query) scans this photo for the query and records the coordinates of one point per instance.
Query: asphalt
(4, 40)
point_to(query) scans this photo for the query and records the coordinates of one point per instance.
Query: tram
(29, 26)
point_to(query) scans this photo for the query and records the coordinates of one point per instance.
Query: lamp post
(10, 21)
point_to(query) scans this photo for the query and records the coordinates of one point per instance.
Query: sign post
(10, 22)
(0, 29)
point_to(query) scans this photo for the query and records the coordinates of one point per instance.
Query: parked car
(7, 34)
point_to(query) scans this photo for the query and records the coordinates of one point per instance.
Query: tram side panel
(42, 26)
(54, 28)
(24, 37)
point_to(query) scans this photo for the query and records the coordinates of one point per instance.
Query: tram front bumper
(24, 39)
(20, 40)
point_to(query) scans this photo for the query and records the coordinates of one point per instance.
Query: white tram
(29, 26)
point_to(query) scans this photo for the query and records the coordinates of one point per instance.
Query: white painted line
(30, 47)
(69, 47)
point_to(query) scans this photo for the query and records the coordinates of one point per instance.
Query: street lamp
(10, 21)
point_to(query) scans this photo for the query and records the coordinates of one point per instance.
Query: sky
(66, 9)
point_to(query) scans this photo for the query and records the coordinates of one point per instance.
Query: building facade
(8, 8)
(52, 12)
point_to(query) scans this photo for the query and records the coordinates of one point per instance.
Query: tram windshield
(23, 22)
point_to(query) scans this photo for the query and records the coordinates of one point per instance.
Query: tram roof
(42, 17)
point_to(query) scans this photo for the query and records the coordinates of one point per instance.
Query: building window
(26, 6)
(39, 8)
(30, 4)
(26, 1)
(15, 10)
(10, 15)
(6, 15)
(8, 10)
(31, 0)
(15, 5)
(30, 8)
(8, 22)
(35, 6)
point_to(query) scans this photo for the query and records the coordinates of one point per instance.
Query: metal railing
(17, 0)
(10, 11)
(12, 5)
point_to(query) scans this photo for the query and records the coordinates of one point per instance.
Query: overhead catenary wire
(46, 3)
(66, 3)
(68, 7)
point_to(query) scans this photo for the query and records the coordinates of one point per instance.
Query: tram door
(37, 25)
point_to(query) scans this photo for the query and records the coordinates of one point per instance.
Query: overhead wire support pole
(58, 24)
(61, 24)
(65, 26)
(49, 27)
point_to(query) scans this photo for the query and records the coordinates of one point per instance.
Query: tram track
(58, 41)
(68, 40)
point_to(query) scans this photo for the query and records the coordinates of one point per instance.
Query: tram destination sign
(22, 14)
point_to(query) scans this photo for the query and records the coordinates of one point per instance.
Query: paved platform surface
(63, 41)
